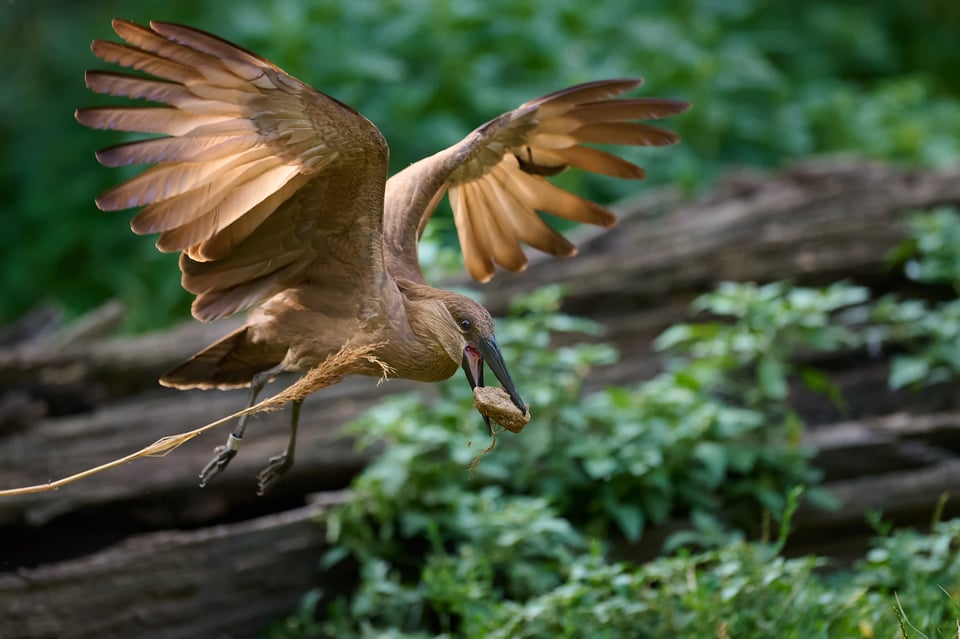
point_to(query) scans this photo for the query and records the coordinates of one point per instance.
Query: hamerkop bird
(277, 198)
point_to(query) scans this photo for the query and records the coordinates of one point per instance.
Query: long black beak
(487, 350)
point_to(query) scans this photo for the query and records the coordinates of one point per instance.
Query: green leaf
(676, 334)
(713, 459)
(771, 377)
(817, 381)
(600, 467)
(905, 370)
(631, 521)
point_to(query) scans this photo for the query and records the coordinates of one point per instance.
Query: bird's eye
(465, 325)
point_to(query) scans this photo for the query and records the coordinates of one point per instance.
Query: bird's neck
(410, 198)
(430, 347)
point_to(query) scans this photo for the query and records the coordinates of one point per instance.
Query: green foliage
(479, 549)
(908, 580)
(617, 457)
(930, 331)
(739, 590)
(768, 83)
(923, 570)
(932, 254)
(754, 356)
(749, 590)
(510, 550)
(441, 547)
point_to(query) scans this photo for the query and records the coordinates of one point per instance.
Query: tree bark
(221, 581)
(819, 222)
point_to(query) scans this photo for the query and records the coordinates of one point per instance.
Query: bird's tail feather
(229, 363)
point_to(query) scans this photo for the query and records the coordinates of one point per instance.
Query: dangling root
(330, 371)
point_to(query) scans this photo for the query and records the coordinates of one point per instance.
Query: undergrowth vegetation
(513, 548)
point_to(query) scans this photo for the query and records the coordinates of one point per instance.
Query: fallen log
(654, 263)
(57, 447)
(221, 581)
(819, 222)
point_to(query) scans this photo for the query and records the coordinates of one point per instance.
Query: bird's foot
(223, 456)
(277, 466)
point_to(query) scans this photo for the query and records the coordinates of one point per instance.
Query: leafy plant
(932, 254)
(908, 585)
(617, 456)
(748, 590)
(929, 331)
(776, 323)
(440, 546)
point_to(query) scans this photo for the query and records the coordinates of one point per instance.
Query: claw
(223, 456)
(276, 467)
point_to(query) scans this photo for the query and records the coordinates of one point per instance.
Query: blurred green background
(769, 81)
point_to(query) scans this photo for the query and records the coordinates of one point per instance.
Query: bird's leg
(279, 464)
(228, 451)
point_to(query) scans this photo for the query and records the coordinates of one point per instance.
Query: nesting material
(494, 403)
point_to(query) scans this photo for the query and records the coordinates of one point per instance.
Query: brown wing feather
(496, 176)
(259, 182)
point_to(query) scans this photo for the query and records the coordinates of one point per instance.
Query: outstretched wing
(260, 181)
(496, 176)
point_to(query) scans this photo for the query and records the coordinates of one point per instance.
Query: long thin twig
(328, 372)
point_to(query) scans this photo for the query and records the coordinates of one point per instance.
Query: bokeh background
(769, 82)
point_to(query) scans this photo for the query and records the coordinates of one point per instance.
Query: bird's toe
(216, 465)
(276, 467)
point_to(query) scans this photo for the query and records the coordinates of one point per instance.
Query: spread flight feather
(240, 131)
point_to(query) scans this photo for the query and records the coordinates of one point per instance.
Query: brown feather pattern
(241, 140)
(501, 182)
(257, 176)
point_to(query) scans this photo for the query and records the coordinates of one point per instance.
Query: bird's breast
(421, 369)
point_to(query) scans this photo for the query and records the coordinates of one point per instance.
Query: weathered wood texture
(220, 581)
(818, 221)
(87, 561)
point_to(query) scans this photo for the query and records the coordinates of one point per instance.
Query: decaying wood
(329, 372)
(898, 464)
(651, 252)
(221, 581)
(80, 374)
(819, 222)
(816, 222)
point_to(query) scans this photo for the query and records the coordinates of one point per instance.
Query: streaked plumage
(277, 198)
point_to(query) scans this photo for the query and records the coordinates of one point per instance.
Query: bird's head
(475, 324)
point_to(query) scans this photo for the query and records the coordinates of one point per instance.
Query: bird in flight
(278, 200)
